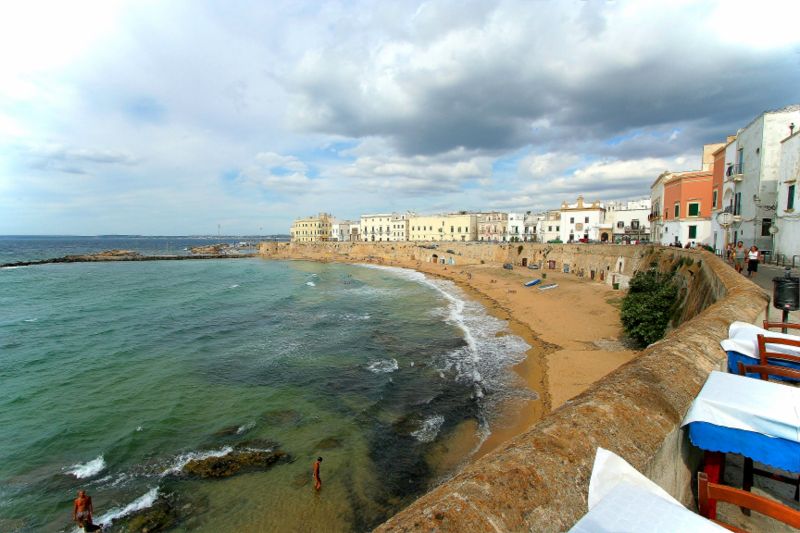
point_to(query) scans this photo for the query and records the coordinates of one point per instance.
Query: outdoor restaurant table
(621, 500)
(751, 417)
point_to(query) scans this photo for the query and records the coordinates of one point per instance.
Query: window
(790, 198)
(766, 223)
(620, 224)
(694, 209)
(677, 210)
(737, 203)
(571, 220)
(634, 224)
(549, 228)
(692, 232)
(714, 199)
(586, 220)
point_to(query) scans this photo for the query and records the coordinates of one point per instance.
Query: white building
(529, 223)
(492, 226)
(342, 230)
(548, 226)
(515, 231)
(584, 221)
(751, 175)
(629, 220)
(787, 237)
(384, 227)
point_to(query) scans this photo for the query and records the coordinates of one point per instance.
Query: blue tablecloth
(773, 451)
(734, 358)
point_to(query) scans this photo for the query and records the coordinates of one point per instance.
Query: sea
(113, 376)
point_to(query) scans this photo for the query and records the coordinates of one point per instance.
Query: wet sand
(574, 332)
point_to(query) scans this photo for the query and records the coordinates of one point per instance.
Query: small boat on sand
(548, 286)
(533, 282)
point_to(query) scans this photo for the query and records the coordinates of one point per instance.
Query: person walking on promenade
(738, 256)
(82, 511)
(753, 256)
(729, 252)
(317, 480)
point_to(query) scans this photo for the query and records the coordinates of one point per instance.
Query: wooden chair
(764, 371)
(780, 325)
(764, 354)
(712, 491)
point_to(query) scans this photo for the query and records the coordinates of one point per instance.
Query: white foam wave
(383, 367)
(429, 429)
(233, 286)
(488, 354)
(138, 428)
(88, 469)
(31, 320)
(181, 461)
(244, 428)
(311, 284)
(142, 502)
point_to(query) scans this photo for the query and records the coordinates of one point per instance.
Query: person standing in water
(317, 480)
(82, 511)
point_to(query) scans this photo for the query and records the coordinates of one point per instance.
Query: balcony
(734, 173)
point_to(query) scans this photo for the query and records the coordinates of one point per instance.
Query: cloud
(72, 160)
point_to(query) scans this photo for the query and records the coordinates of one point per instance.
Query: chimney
(791, 129)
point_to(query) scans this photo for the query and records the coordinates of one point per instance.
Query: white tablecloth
(742, 338)
(623, 500)
(737, 402)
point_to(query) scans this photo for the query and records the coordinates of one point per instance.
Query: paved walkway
(763, 278)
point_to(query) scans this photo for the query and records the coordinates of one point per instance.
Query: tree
(649, 305)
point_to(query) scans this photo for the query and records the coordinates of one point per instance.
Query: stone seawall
(539, 480)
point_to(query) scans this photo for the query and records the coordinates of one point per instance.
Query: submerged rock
(329, 444)
(236, 462)
(280, 417)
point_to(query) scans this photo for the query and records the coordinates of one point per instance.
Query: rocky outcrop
(118, 255)
(236, 462)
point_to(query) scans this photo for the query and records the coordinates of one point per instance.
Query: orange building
(688, 202)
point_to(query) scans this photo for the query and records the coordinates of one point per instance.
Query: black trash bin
(786, 294)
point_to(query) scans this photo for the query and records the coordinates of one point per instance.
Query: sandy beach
(574, 332)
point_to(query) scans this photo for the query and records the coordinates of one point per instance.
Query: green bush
(554, 241)
(648, 306)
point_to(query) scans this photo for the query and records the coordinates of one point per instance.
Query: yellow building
(452, 227)
(312, 229)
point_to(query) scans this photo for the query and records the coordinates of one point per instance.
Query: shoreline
(568, 351)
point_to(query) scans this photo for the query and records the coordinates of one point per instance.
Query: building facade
(530, 223)
(515, 230)
(492, 226)
(787, 225)
(687, 208)
(376, 228)
(311, 229)
(629, 221)
(460, 227)
(752, 163)
(548, 227)
(342, 230)
(582, 221)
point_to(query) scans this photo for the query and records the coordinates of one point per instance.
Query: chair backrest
(765, 354)
(780, 325)
(712, 491)
(768, 370)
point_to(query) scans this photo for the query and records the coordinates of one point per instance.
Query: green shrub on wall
(647, 308)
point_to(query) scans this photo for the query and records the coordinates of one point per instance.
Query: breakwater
(105, 258)
(539, 480)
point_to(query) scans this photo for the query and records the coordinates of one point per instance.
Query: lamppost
(725, 220)
(772, 231)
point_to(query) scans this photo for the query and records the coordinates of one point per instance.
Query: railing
(734, 170)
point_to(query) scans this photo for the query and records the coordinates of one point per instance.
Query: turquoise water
(113, 375)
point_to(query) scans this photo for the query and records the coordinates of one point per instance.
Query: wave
(30, 320)
(181, 461)
(244, 428)
(233, 286)
(489, 352)
(429, 429)
(142, 502)
(383, 367)
(311, 284)
(88, 469)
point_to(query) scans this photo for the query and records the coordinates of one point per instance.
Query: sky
(182, 117)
